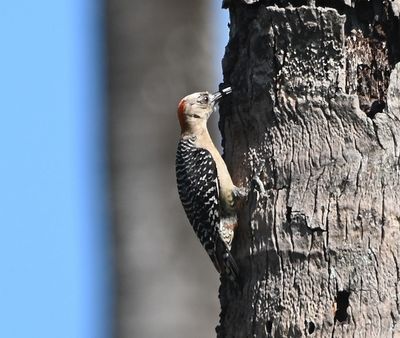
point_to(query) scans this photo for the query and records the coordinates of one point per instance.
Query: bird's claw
(257, 184)
(240, 193)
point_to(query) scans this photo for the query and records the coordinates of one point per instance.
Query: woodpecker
(205, 186)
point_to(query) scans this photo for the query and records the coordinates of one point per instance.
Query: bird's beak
(220, 94)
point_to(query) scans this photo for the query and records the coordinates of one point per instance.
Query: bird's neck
(195, 130)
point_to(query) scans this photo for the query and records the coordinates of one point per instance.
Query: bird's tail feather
(226, 262)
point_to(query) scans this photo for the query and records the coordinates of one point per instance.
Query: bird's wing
(198, 188)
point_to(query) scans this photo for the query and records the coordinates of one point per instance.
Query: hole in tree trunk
(342, 303)
(376, 107)
(373, 48)
(311, 327)
(288, 214)
(269, 326)
(339, 6)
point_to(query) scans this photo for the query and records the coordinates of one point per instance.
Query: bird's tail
(226, 263)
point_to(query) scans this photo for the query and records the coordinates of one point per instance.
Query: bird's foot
(257, 185)
(240, 193)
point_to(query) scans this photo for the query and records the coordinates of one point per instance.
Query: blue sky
(53, 220)
(221, 31)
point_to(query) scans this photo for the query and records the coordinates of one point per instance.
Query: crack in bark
(276, 241)
(397, 281)
(383, 215)
(377, 135)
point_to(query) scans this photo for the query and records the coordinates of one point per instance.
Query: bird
(204, 184)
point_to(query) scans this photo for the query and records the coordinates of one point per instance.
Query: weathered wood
(320, 252)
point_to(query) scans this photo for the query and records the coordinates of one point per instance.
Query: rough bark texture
(159, 51)
(316, 111)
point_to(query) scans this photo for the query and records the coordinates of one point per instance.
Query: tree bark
(315, 111)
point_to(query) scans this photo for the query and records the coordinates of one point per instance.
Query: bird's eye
(204, 99)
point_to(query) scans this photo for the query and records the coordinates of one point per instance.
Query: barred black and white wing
(198, 189)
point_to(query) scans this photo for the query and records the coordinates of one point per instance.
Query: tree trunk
(315, 110)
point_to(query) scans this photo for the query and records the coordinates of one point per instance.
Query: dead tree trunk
(315, 110)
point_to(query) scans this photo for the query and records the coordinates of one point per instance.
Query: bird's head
(195, 109)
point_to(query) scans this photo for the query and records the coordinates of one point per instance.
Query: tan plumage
(207, 186)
